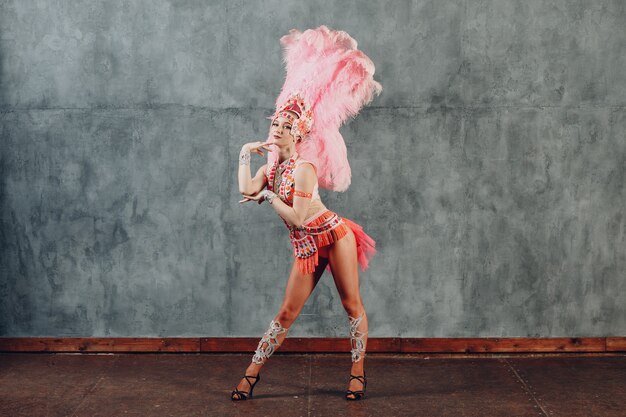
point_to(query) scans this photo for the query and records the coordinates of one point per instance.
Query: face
(280, 129)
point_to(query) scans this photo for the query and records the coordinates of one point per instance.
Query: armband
(299, 193)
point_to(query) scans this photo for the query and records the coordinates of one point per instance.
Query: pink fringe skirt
(365, 245)
(325, 231)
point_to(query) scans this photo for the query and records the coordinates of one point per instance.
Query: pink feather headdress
(328, 80)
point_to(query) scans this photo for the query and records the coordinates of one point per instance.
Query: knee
(286, 315)
(353, 306)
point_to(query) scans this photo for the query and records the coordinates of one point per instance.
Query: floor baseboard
(313, 344)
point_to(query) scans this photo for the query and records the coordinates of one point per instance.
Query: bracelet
(269, 196)
(244, 156)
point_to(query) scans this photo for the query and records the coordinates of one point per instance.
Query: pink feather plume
(336, 79)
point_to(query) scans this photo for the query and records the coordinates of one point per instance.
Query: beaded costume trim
(270, 339)
(286, 177)
(357, 341)
(321, 231)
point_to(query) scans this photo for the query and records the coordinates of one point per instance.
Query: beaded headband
(296, 104)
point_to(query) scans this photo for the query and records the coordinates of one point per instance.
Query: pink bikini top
(286, 184)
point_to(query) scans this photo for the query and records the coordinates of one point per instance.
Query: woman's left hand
(258, 197)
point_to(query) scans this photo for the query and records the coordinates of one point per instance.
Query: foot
(356, 384)
(244, 385)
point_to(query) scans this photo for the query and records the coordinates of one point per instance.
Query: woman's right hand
(257, 146)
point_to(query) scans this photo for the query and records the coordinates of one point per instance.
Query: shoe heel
(258, 378)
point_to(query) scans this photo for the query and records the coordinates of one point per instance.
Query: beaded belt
(329, 224)
(305, 246)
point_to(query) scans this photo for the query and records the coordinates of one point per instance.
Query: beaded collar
(286, 177)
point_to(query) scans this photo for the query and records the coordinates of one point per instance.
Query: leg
(344, 266)
(299, 288)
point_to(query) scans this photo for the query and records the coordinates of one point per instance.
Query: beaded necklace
(285, 176)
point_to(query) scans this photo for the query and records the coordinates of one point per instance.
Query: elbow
(246, 188)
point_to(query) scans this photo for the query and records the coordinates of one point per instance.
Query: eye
(274, 124)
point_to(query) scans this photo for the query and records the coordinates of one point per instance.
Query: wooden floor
(568, 385)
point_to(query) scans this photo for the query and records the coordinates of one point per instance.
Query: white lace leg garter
(356, 338)
(270, 338)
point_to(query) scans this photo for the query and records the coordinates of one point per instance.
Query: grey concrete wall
(490, 171)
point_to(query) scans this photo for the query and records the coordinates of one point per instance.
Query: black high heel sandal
(244, 395)
(357, 394)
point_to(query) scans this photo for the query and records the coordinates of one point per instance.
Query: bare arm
(254, 185)
(247, 184)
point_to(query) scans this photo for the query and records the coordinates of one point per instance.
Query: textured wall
(490, 171)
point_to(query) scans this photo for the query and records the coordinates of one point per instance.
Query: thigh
(323, 252)
(300, 286)
(342, 257)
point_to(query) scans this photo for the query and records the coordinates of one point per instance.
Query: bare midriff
(315, 209)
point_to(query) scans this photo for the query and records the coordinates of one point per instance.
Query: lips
(276, 137)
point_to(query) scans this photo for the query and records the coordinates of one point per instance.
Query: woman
(319, 236)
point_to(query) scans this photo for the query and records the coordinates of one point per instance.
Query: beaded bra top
(281, 179)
